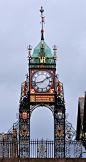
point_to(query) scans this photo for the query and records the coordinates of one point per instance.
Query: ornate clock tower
(42, 88)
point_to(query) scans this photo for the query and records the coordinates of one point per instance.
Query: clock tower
(42, 88)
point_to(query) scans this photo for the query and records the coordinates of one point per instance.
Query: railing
(40, 149)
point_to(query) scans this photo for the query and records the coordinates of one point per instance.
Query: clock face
(42, 81)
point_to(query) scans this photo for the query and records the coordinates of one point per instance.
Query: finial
(54, 49)
(29, 48)
(27, 76)
(42, 31)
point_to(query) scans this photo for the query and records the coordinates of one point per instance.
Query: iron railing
(40, 149)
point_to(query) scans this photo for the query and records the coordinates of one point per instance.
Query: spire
(42, 21)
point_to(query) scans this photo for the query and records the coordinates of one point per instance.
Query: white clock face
(42, 81)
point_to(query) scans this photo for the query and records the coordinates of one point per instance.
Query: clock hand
(47, 77)
(43, 80)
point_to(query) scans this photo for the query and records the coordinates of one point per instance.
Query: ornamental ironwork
(42, 87)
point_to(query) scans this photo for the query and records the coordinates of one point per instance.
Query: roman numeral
(33, 83)
(37, 88)
(50, 81)
(49, 85)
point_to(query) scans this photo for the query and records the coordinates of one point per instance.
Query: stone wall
(44, 160)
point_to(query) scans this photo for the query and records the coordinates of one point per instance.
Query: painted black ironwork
(78, 122)
(59, 125)
(67, 142)
(9, 145)
(24, 126)
(39, 148)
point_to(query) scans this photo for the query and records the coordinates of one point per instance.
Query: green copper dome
(43, 52)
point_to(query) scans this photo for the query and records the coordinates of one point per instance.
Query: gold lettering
(42, 59)
(32, 98)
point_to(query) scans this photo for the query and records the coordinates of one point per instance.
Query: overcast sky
(65, 26)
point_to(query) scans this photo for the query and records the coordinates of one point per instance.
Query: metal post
(29, 48)
(33, 148)
(29, 105)
(37, 147)
(8, 146)
(54, 130)
(81, 149)
(10, 149)
(46, 148)
(64, 132)
(50, 149)
(3, 143)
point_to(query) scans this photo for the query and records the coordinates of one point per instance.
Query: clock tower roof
(42, 50)
(38, 50)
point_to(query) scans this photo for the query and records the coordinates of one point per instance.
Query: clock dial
(42, 81)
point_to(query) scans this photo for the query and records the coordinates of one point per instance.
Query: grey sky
(65, 26)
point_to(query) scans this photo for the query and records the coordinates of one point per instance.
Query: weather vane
(42, 21)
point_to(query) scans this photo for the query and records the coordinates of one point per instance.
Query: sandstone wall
(44, 160)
